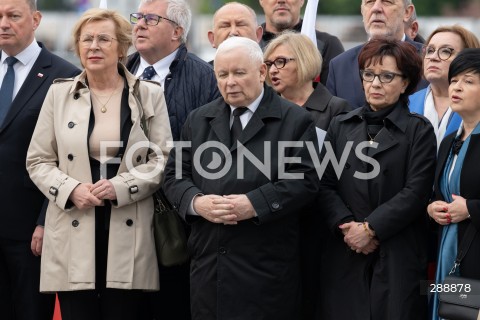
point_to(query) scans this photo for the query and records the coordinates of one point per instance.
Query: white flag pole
(103, 4)
(309, 20)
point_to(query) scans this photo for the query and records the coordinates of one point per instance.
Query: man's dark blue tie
(148, 73)
(6, 91)
(237, 128)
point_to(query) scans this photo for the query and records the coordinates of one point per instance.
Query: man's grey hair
(178, 11)
(252, 12)
(252, 48)
(32, 4)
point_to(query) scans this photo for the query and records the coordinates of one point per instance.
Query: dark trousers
(172, 302)
(105, 304)
(20, 298)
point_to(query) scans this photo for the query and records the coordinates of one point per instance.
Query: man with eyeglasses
(27, 69)
(284, 15)
(159, 35)
(381, 19)
(160, 29)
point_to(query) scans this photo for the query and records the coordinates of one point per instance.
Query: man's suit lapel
(220, 118)
(269, 107)
(35, 79)
(221, 122)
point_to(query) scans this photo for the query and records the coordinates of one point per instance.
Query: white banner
(309, 20)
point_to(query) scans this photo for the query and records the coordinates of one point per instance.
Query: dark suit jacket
(469, 178)
(344, 76)
(20, 199)
(250, 270)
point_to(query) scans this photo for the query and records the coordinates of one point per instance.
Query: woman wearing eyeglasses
(441, 48)
(374, 201)
(293, 63)
(91, 158)
(456, 205)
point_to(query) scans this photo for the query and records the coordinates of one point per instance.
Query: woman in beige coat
(90, 156)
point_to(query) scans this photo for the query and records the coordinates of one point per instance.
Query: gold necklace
(103, 107)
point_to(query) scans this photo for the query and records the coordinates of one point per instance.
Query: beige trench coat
(68, 258)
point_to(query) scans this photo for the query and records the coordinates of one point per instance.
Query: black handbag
(460, 297)
(168, 230)
(170, 237)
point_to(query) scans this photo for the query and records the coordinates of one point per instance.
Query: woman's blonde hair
(305, 53)
(123, 29)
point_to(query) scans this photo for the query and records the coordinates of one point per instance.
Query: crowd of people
(312, 182)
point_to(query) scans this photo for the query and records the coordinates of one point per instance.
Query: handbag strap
(464, 246)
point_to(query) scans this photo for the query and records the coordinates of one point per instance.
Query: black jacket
(323, 106)
(328, 45)
(249, 270)
(384, 284)
(190, 84)
(469, 178)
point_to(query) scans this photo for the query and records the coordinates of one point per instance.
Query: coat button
(75, 223)
(275, 205)
(71, 124)
(139, 158)
(76, 96)
(129, 222)
(347, 165)
(222, 250)
(70, 157)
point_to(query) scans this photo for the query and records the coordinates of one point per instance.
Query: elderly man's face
(240, 80)
(385, 18)
(233, 20)
(155, 42)
(281, 14)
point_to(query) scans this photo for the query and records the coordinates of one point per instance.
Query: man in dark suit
(244, 213)
(381, 19)
(33, 69)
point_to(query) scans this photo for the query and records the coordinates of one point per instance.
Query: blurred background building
(338, 17)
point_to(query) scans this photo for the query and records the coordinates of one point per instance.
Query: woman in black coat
(293, 63)
(457, 195)
(375, 197)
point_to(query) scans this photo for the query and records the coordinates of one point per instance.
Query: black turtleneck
(375, 119)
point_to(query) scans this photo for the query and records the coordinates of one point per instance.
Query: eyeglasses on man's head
(150, 18)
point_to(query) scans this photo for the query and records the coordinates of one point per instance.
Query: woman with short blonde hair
(293, 63)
